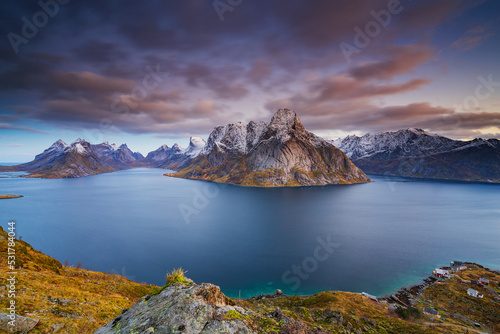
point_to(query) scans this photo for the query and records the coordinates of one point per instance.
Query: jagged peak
(196, 142)
(286, 119)
(59, 143)
(123, 146)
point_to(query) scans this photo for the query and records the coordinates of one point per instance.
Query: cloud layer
(176, 68)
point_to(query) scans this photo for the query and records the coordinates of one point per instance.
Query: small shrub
(176, 276)
(406, 313)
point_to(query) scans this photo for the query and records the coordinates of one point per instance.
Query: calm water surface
(383, 235)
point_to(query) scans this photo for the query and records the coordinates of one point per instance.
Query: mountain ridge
(418, 153)
(255, 154)
(281, 153)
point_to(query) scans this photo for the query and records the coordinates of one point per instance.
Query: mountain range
(418, 153)
(283, 153)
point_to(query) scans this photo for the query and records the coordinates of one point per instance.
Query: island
(10, 196)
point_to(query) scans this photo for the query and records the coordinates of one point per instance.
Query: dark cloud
(88, 64)
(95, 51)
(88, 81)
(223, 81)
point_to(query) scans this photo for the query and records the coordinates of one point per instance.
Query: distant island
(418, 153)
(10, 196)
(54, 297)
(282, 153)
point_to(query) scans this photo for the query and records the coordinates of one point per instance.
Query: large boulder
(180, 309)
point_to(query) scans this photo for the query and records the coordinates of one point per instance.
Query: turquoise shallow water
(372, 237)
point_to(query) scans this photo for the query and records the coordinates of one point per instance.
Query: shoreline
(10, 196)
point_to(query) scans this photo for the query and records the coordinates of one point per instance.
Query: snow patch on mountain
(410, 142)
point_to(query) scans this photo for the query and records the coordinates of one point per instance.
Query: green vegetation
(451, 300)
(177, 276)
(408, 312)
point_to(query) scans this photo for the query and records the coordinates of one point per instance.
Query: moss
(235, 315)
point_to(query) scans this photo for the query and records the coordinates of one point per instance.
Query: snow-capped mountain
(118, 156)
(55, 150)
(417, 153)
(195, 147)
(175, 156)
(403, 143)
(281, 153)
(61, 160)
(80, 158)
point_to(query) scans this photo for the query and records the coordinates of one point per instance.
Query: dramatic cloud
(173, 67)
(87, 81)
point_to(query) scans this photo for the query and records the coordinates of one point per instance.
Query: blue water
(383, 235)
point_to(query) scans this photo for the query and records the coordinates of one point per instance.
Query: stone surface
(179, 309)
(21, 324)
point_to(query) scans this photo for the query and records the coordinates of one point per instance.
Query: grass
(176, 276)
(450, 298)
(333, 312)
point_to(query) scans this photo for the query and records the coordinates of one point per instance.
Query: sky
(157, 72)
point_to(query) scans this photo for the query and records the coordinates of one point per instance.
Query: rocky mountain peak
(284, 124)
(286, 119)
(282, 153)
(196, 142)
(81, 146)
(60, 143)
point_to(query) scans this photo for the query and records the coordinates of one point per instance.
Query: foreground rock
(180, 308)
(18, 325)
(281, 153)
